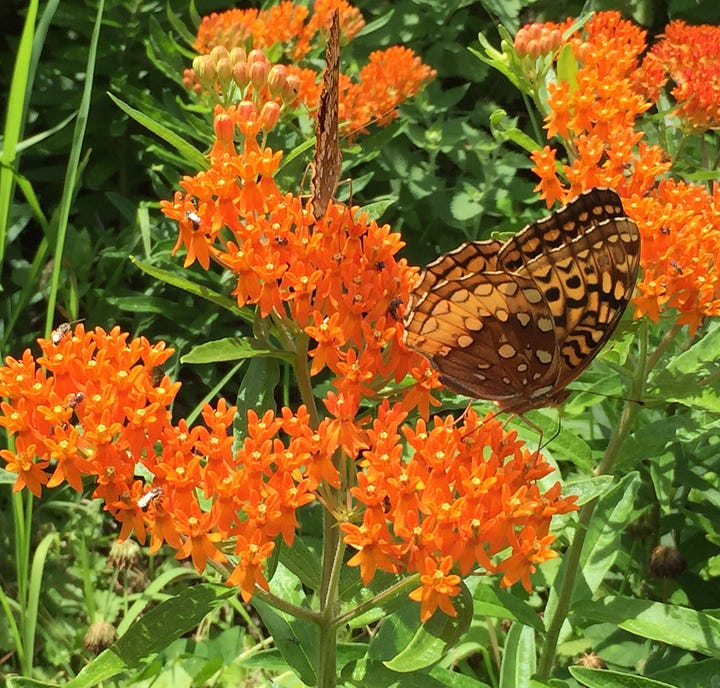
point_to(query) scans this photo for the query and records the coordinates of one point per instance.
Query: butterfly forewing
(565, 224)
(519, 336)
(328, 159)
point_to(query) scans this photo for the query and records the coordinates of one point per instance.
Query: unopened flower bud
(219, 52)
(224, 70)
(666, 562)
(238, 55)
(520, 42)
(204, 67)
(124, 555)
(533, 48)
(277, 78)
(269, 115)
(100, 636)
(591, 660)
(291, 90)
(257, 56)
(246, 110)
(259, 74)
(241, 74)
(224, 127)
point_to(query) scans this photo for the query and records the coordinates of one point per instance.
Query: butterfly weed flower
(223, 72)
(689, 58)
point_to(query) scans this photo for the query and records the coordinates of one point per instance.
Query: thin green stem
(285, 606)
(664, 343)
(302, 373)
(628, 417)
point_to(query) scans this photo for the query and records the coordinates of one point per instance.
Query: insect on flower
(148, 497)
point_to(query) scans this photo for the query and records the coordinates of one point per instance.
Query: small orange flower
(437, 589)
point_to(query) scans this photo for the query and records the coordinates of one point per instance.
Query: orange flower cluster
(287, 26)
(88, 403)
(690, 56)
(92, 405)
(680, 226)
(282, 261)
(598, 117)
(89, 406)
(468, 493)
(390, 77)
(331, 289)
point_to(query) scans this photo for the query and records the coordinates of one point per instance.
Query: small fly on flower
(194, 218)
(75, 399)
(148, 497)
(57, 335)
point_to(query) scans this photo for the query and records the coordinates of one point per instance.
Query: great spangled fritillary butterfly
(515, 322)
(328, 159)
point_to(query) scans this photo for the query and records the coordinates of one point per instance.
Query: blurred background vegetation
(449, 176)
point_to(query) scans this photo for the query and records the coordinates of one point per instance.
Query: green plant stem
(629, 415)
(285, 606)
(377, 600)
(332, 542)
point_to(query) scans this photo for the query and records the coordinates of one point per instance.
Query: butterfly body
(515, 322)
(327, 164)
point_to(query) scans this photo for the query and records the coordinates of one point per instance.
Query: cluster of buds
(537, 40)
(234, 76)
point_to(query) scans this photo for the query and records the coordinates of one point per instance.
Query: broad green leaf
(567, 66)
(588, 489)
(432, 639)
(454, 679)
(371, 673)
(520, 657)
(302, 562)
(501, 604)
(153, 633)
(256, 391)
(597, 678)
(296, 638)
(600, 549)
(502, 129)
(673, 625)
(700, 675)
(232, 349)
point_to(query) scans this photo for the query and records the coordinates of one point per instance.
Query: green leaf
(684, 378)
(297, 639)
(302, 562)
(567, 68)
(601, 547)
(191, 154)
(590, 488)
(502, 604)
(519, 660)
(153, 633)
(256, 392)
(232, 349)
(503, 129)
(702, 675)
(672, 625)
(596, 678)
(246, 314)
(432, 639)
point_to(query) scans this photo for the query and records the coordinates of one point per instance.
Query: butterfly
(516, 321)
(328, 159)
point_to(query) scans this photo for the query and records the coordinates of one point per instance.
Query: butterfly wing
(328, 159)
